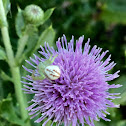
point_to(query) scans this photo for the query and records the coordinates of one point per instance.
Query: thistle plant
(81, 94)
(68, 83)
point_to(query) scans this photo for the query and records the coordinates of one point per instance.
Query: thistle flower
(81, 94)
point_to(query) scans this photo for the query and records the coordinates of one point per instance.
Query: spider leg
(33, 74)
(50, 58)
(53, 59)
(42, 77)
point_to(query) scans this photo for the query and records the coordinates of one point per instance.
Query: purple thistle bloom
(80, 95)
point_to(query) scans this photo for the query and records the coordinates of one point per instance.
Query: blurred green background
(104, 21)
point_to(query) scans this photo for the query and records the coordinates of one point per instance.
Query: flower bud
(33, 14)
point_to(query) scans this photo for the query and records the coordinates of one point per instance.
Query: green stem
(18, 90)
(11, 61)
(7, 44)
(22, 42)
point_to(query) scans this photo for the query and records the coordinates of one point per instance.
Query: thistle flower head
(81, 94)
(33, 14)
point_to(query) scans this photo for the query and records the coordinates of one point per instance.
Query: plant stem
(15, 71)
(7, 45)
(22, 42)
(20, 97)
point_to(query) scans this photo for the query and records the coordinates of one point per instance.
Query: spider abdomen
(52, 72)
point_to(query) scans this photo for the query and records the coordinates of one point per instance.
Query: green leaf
(4, 123)
(1, 89)
(121, 123)
(47, 14)
(99, 123)
(112, 12)
(2, 54)
(32, 41)
(7, 111)
(7, 5)
(5, 77)
(19, 23)
(122, 90)
(47, 36)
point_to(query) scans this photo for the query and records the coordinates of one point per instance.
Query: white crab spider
(46, 70)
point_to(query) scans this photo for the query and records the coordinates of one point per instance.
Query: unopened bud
(33, 14)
